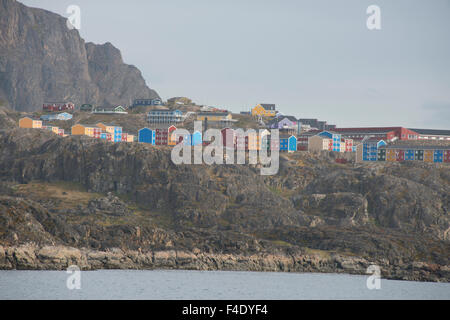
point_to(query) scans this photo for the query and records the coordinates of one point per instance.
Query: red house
(124, 137)
(162, 137)
(382, 133)
(228, 137)
(446, 155)
(58, 106)
(400, 155)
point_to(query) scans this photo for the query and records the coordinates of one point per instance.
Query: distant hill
(42, 60)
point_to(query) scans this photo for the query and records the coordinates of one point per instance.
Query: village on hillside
(152, 121)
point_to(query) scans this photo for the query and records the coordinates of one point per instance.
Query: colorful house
(78, 130)
(428, 156)
(292, 144)
(162, 137)
(59, 116)
(115, 131)
(146, 102)
(318, 143)
(381, 156)
(165, 116)
(93, 132)
(409, 155)
(172, 140)
(110, 110)
(367, 150)
(106, 136)
(197, 138)
(86, 107)
(30, 123)
(336, 139)
(147, 135)
(228, 139)
(283, 122)
(438, 156)
(58, 106)
(446, 155)
(264, 110)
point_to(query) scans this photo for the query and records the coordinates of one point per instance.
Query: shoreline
(31, 257)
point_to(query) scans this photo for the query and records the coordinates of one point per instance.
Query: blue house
(370, 148)
(409, 155)
(292, 144)
(146, 135)
(187, 140)
(438, 156)
(284, 144)
(117, 134)
(336, 137)
(197, 138)
(58, 116)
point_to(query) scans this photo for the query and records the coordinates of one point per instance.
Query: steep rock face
(42, 60)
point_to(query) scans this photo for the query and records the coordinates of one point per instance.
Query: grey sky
(312, 58)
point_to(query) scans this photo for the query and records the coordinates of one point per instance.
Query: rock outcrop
(139, 210)
(42, 60)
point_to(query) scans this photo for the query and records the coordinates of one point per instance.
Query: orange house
(172, 138)
(428, 156)
(30, 123)
(78, 130)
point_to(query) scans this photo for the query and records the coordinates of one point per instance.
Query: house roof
(411, 147)
(269, 107)
(223, 114)
(433, 132)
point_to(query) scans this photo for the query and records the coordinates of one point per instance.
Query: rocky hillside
(105, 205)
(42, 60)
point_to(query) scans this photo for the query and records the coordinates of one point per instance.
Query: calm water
(198, 285)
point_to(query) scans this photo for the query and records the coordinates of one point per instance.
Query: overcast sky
(313, 58)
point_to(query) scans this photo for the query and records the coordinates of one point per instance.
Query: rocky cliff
(124, 205)
(42, 60)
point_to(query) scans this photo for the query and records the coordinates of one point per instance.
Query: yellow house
(264, 110)
(30, 123)
(254, 141)
(106, 128)
(130, 138)
(428, 155)
(78, 130)
(55, 130)
(390, 155)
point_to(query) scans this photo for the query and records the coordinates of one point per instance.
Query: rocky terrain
(41, 60)
(78, 200)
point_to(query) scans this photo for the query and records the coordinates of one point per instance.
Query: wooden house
(78, 130)
(197, 138)
(30, 123)
(58, 106)
(438, 156)
(228, 139)
(367, 150)
(109, 110)
(172, 139)
(428, 156)
(446, 155)
(264, 110)
(161, 137)
(147, 135)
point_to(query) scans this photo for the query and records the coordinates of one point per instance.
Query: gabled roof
(268, 107)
